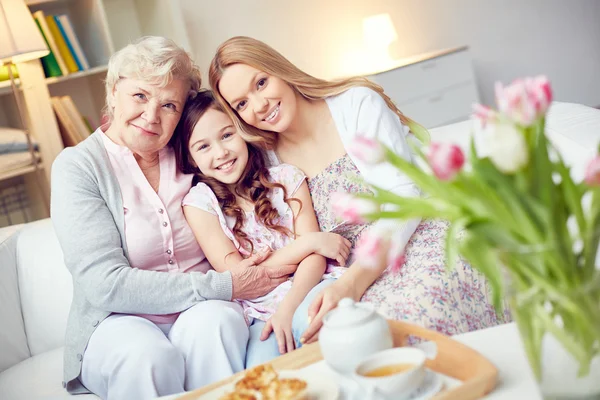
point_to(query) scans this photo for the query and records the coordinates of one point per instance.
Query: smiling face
(145, 115)
(217, 149)
(261, 100)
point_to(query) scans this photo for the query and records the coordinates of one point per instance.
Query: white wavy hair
(154, 59)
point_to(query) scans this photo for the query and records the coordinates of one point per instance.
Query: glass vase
(559, 374)
(551, 341)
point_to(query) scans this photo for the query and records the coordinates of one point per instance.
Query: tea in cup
(394, 373)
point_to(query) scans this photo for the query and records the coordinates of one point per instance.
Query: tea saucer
(432, 384)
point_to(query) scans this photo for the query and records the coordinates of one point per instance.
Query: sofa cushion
(13, 341)
(38, 377)
(579, 123)
(45, 286)
(575, 130)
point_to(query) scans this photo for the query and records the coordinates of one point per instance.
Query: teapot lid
(348, 313)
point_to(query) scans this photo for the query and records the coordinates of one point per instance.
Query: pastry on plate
(263, 383)
(256, 379)
(285, 389)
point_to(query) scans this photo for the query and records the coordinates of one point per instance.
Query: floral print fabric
(423, 291)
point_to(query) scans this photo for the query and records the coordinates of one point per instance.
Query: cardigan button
(80, 357)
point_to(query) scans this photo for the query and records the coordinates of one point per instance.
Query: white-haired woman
(149, 316)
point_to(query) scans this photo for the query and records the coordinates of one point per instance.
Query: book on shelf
(66, 28)
(42, 23)
(72, 126)
(75, 116)
(4, 72)
(61, 43)
(68, 131)
(49, 62)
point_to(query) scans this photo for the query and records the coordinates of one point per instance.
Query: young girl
(240, 207)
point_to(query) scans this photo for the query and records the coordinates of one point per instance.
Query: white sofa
(36, 288)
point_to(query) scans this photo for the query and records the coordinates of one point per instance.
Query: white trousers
(130, 357)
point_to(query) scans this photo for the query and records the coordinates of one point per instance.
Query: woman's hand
(326, 301)
(281, 324)
(332, 245)
(250, 281)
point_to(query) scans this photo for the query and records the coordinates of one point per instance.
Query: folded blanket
(12, 161)
(13, 141)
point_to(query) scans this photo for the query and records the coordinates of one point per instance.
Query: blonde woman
(310, 123)
(149, 316)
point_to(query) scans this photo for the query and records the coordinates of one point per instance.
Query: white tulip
(506, 147)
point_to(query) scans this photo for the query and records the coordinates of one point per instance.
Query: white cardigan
(362, 111)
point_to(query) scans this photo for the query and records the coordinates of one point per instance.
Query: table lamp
(378, 34)
(20, 41)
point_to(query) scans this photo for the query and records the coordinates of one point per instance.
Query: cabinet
(102, 26)
(434, 89)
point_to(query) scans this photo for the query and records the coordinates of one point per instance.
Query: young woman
(240, 207)
(310, 123)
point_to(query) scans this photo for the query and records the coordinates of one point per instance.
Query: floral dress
(202, 197)
(423, 291)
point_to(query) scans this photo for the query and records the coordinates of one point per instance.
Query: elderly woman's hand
(251, 280)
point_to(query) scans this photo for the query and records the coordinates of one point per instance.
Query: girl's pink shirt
(157, 234)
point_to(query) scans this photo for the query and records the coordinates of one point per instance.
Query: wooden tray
(454, 359)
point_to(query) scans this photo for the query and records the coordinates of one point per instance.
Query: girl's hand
(325, 301)
(281, 324)
(332, 245)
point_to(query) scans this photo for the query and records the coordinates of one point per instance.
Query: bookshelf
(101, 27)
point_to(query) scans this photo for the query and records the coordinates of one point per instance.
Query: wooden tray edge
(454, 359)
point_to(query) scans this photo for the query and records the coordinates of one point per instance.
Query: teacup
(393, 373)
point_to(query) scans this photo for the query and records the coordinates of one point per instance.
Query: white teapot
(352, 332)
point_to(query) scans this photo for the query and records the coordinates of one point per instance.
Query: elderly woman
(149, 316)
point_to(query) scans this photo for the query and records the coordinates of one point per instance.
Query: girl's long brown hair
(254, 185)
(259, 55)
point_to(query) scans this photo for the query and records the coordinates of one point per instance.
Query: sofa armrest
(13, 339)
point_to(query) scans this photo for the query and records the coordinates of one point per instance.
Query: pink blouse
(157, 234)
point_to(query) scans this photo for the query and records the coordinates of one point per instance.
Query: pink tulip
(592, 172)
(396, 256)
(445, 160)
(524, 100)
(370, 247)
(542, 93)
(484, 114)
(351, 209)
(367, 150)
(396, 263)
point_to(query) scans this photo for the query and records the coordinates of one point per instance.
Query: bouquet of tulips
(516, 215)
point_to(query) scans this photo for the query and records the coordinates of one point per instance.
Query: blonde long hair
(259, 55)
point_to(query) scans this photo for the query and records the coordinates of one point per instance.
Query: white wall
(508, 38)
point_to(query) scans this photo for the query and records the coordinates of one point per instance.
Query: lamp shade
(379, 31)
(20, 38)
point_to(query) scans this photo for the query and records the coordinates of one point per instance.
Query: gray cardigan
(87, 213)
